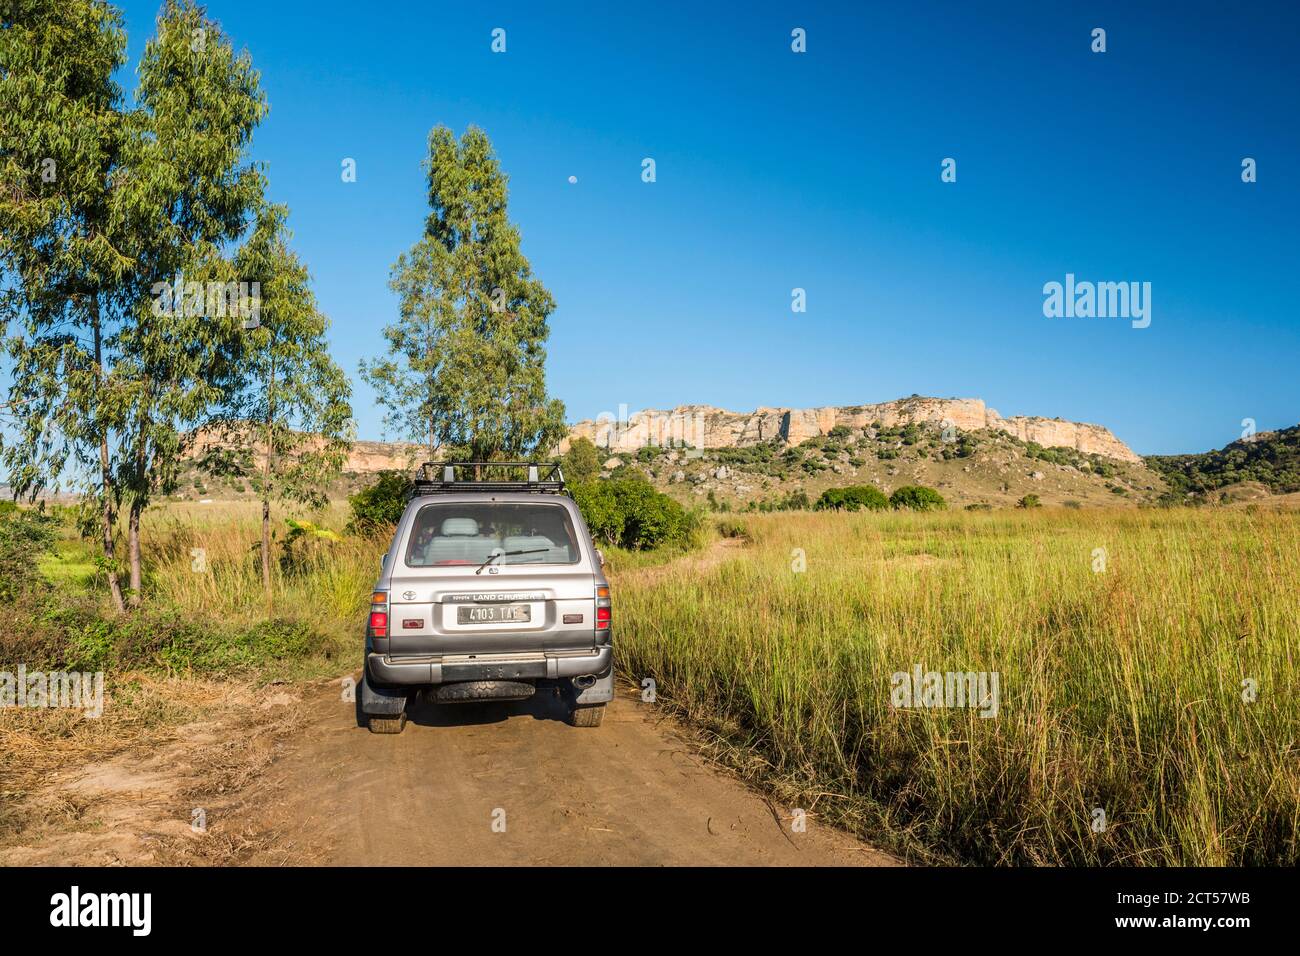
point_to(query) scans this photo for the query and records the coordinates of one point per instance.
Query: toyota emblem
(408, 595)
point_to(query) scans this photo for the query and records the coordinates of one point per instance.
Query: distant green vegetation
(794, 501)
(581, 462)
(760, 459)
(917, 498)
(1271, 458)
(1067, 457)
(852, 498)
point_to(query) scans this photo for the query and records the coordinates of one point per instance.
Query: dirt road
(285, 775)
(514, 784)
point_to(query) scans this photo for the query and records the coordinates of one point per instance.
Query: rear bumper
(549, 665)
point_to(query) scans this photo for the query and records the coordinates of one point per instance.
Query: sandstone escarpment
(364, 457)
(704, 426)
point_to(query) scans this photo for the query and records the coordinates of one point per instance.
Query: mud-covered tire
(588, 715)
(386, 725)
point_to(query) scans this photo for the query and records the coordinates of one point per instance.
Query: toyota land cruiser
(490, 589)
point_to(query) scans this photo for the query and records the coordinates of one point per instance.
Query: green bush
(379, 506)
(24, 537)
(732, 528)
(305, 545)
(1029, 501)
(917, 498)
(628, 512)
(852, 498)
(72, 635)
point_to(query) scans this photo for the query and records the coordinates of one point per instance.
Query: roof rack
(445, 477)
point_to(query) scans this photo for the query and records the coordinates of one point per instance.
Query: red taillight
(379, 614)
(604, 613)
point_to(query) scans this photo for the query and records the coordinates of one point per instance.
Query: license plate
(494, 614)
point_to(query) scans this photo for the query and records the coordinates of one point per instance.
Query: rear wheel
(386, 725)
(588, 715)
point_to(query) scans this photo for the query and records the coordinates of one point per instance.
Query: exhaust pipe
(585, 681)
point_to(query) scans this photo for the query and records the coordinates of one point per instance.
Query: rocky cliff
(364, 457)
(704, 426)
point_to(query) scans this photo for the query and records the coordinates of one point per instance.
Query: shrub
(24, 537)
(917, 498)
(732, 528)
(852, 498)
(379, 506)
(963, 447)
(796, 501)
(628, 512)
(72, 635)
(1029, 501)
(305, 545)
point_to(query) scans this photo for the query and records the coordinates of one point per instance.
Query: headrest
(459, 527)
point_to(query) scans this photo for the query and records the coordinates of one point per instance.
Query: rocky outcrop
(704, 426)
(364, 457)
(372, 456)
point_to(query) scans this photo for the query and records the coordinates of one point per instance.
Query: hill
(1270, 460)
(983, 467)
(703, 426)
(771, 456)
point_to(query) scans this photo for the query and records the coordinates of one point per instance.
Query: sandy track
(631, 792)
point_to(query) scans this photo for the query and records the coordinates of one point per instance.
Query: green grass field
(1123, 690)
(1152, 681)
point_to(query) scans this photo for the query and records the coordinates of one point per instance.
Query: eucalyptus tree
(291, 401)
(65, 257)
(190, 192)
(466, 369)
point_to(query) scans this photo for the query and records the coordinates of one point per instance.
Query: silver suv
(490, 589)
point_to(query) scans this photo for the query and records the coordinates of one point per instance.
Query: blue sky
(821, 170)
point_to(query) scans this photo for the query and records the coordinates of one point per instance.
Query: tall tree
(467, 372)
(64, 260)
(291, 405)
(190, 192)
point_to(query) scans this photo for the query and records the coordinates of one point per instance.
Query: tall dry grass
(329, 586)
(1120, 691)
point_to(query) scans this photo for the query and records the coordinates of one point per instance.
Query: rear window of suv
(448, 534)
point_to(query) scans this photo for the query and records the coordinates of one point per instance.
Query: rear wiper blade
(507, 554)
